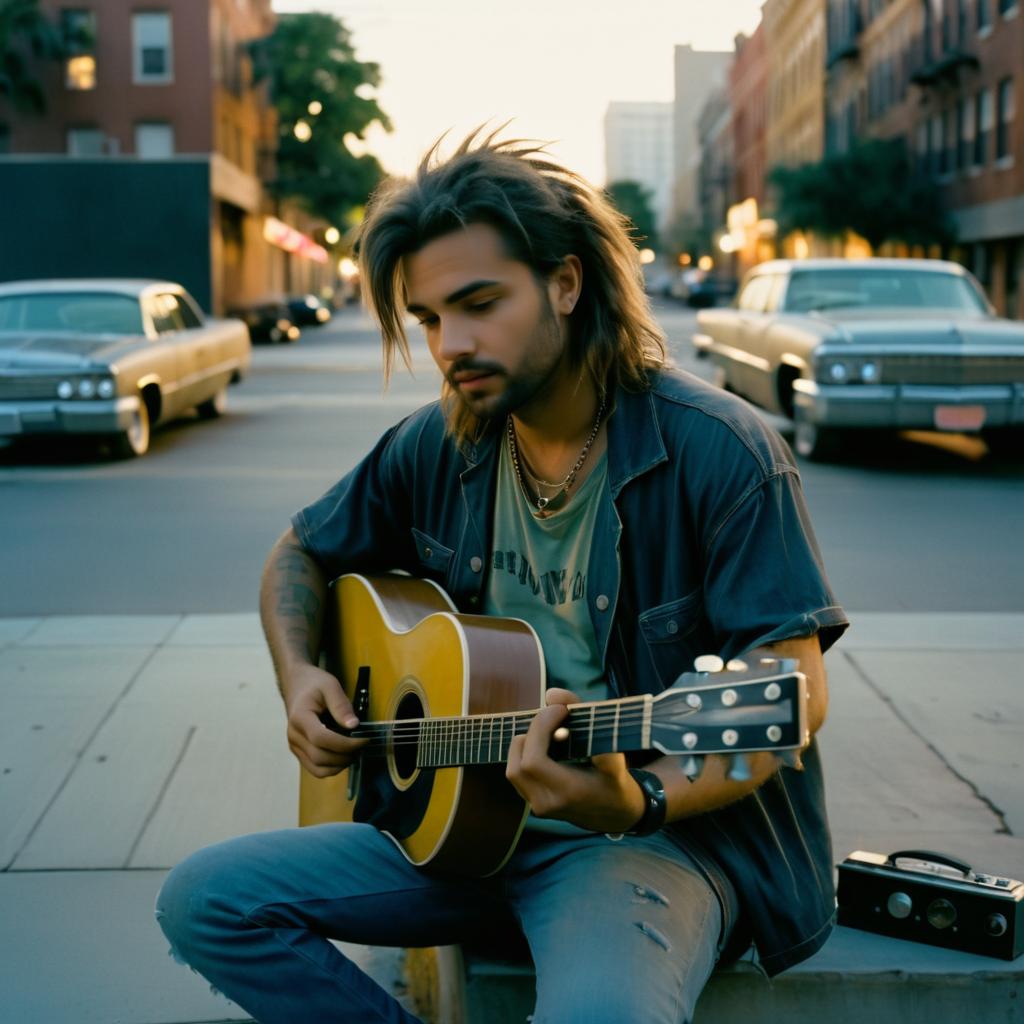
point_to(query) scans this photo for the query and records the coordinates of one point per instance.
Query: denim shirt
(702, 544)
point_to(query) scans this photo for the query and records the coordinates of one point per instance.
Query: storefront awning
(284, 237)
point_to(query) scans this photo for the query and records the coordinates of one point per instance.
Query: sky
(551, 66)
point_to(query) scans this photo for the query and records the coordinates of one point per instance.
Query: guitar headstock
(741, 707)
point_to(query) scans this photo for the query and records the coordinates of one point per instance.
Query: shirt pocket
(434, 558)
(666, 628)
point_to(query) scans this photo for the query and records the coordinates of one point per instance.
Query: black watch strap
(655, 803)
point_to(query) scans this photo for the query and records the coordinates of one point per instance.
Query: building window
(1004, 117)
(153, 59)
(78, 30)
(965, 131)
(982, 126)
(85, 142)
(984, 14)
(154, 140)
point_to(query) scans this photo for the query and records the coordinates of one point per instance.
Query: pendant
(542, 503)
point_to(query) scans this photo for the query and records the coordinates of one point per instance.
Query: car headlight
(311, 301)
(65, 389)
(86, 388)
(848, 370)
(283, 325)
(106, 388)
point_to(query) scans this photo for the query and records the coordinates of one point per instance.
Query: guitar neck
(601, 727)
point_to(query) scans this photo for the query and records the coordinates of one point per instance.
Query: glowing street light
(315, 107)
(332, 236)
(647, 256)
(705, 263)
(302, 131)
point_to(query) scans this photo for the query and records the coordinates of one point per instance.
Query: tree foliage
(634, 201)
(25, 34)
(310, 59)
(872, 189)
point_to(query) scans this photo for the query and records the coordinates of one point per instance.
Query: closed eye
(482, 306)
(427, 321)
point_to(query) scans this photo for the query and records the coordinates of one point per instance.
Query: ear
(565, 284)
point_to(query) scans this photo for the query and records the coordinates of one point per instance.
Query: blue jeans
(619, 931)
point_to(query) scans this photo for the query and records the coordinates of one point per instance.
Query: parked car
(696, 287)
(308, 310)
(895, 344)
(111, 358)
(269, 320)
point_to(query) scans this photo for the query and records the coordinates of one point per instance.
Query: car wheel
(215, 406)
(134, 441)
(1007, 443)
(814, 442)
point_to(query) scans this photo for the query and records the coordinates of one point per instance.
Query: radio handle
(934, 858)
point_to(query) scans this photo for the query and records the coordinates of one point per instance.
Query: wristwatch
(655, 803)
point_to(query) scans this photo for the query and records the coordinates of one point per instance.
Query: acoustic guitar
(440, 695)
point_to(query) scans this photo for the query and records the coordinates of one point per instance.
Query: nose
(454, 339)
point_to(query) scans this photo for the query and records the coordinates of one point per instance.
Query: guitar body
(403, 653)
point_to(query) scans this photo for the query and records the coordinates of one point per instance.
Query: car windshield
(87, 312)
(888, 287)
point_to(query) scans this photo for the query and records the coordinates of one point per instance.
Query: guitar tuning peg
(739, 768)
(692, 766)
(791, 759)
(708, 663)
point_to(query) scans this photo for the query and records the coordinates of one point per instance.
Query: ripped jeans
(619, 931)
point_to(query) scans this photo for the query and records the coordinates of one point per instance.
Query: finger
(538, 737)
(556, 695)
(609, 764)
(340, 707)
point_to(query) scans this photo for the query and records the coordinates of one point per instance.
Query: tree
(25, 33)
(323, 95)
(872, 189)
(634, 201)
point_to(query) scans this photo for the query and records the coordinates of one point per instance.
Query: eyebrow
(456, 296)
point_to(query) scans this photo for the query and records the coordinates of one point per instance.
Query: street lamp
(332, 236)
(302, 131)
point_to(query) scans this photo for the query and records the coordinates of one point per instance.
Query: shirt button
(602, 602)
(476, 564)
(672, 626)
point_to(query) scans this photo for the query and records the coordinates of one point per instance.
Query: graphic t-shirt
(538, 572)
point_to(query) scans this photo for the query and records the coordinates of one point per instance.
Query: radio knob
(941, 913)
(900, 905)
(995, 925)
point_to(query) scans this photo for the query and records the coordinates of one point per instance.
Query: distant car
(894, 344)
(308, 310)
(696, 287)
(111, 358)
(269, 320)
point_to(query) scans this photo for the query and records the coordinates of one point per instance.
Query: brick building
(152, 156)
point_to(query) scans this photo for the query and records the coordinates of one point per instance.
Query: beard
(539, 366)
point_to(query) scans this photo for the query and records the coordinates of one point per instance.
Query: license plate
(959, 417)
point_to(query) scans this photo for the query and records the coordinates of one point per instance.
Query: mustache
(472, 366)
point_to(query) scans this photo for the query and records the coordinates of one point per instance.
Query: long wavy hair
(543, 213)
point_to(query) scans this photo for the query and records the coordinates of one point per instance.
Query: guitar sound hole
(406, 741)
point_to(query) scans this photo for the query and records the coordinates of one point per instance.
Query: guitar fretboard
(601, 727)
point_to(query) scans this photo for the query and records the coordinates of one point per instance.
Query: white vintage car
(111, 359)
(888, 344)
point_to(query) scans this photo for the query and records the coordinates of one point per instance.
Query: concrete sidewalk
(128, 742)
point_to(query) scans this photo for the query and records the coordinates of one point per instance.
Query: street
(923, 524)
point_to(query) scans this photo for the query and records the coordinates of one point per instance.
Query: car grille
(952, 370)
(13, 389)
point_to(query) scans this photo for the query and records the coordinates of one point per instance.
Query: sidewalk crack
(79, 754)
(999, 814)
(160, 796)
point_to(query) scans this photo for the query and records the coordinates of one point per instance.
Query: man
(636, 519)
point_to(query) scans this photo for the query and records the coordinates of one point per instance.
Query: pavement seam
(80, 754)
(160, 796)
(1004, 828)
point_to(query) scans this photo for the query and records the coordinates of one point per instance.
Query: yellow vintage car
(877, 344)
(111, 359)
